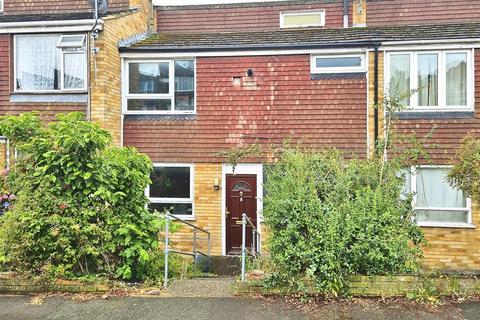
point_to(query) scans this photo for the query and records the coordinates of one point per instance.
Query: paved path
(19, 308)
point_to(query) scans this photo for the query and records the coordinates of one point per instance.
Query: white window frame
(442, 85)
(189, 200)
(352, 69)
(1, 5)
(468, 208)
(77, 44)
(171, 88)
(321, 12)
(62, 67)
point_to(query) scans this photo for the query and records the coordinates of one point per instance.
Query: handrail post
(195, 248)
(244, 247)
(167, 221)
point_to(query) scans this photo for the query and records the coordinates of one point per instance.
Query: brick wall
(106, 94)
(279, 102)
(57, 6)
(47, 110)
(390, 12)
(241, 17)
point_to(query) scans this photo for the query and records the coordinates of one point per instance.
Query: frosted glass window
(74, 71)
(302, 19)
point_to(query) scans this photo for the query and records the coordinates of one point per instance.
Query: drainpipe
(375, 97)
(345, 13)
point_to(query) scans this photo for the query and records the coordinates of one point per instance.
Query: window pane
(427, 80)
(149, 104)
(170, 182)
(339, 62)
(307, 19)
(184, 85)
(434, 191)
(400, 77)
(173, 208)
(74, 41)
(149, 78)
(37, 63)
(456, 66)
(441, 216)
(74, 68)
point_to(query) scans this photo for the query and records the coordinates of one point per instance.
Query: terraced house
(206, 78)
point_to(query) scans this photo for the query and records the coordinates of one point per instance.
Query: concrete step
(220, 265)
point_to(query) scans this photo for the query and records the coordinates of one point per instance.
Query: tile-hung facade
(219, 76)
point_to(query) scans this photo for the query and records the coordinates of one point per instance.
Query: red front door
(241, 196)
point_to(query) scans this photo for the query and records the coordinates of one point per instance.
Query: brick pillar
(359, 13)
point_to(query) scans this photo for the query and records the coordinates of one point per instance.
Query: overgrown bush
(465, 174)
(329, 217)
(80, 206)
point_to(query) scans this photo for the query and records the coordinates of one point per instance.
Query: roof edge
(240, 5)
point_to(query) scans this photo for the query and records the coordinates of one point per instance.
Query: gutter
(333, 45)
(50, 26)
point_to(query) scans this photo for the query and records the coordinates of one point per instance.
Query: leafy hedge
(329, 217)
(80, 206)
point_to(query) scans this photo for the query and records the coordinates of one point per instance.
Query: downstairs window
(172, 189)
(436, 203)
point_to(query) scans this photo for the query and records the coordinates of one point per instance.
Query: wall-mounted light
(216, 184)
(250, 73)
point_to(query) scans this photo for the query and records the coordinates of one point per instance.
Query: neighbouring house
(55, 57)
(183, 82)
(223, 75)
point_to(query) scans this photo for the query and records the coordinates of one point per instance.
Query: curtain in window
(37, 63)
(400, 77)
(434, 192)
(427, 79)
(456, 66)
(74, 70)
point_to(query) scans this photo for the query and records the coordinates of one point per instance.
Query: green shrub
(80, 205)
(330, 217)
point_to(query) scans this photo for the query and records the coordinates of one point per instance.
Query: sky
(194, 2)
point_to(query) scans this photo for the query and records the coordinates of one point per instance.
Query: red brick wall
(47, 109)
(56, 6)
(240, 18)
(389, 12)
(447, 133)
(280, 102)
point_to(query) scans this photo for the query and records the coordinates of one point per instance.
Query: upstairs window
(160, 87)
(49, 63)
(338, 63)
(172, 189)
(1, 5)
(302, 19)
(436, 203)
(439, 80)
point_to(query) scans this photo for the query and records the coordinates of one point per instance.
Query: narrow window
(171, 189)
(184, 85)
(456, 68)
(302, 19)
(339, 63)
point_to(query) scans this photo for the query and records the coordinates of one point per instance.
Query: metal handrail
(255, 241)
(195, 253)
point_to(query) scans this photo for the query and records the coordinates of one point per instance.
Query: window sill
(447, 225)
(436, 114)
(337, 75)
(49, 97)
(165, 117)
(186, 218)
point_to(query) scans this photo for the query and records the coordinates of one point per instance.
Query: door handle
(227, 213)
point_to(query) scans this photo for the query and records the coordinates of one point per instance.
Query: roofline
(351, 44)
(50, 26)
(259, 3)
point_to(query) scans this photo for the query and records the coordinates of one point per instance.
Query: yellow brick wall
(105, 66)
(454, 248)
(371, 97)
(208, 211)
